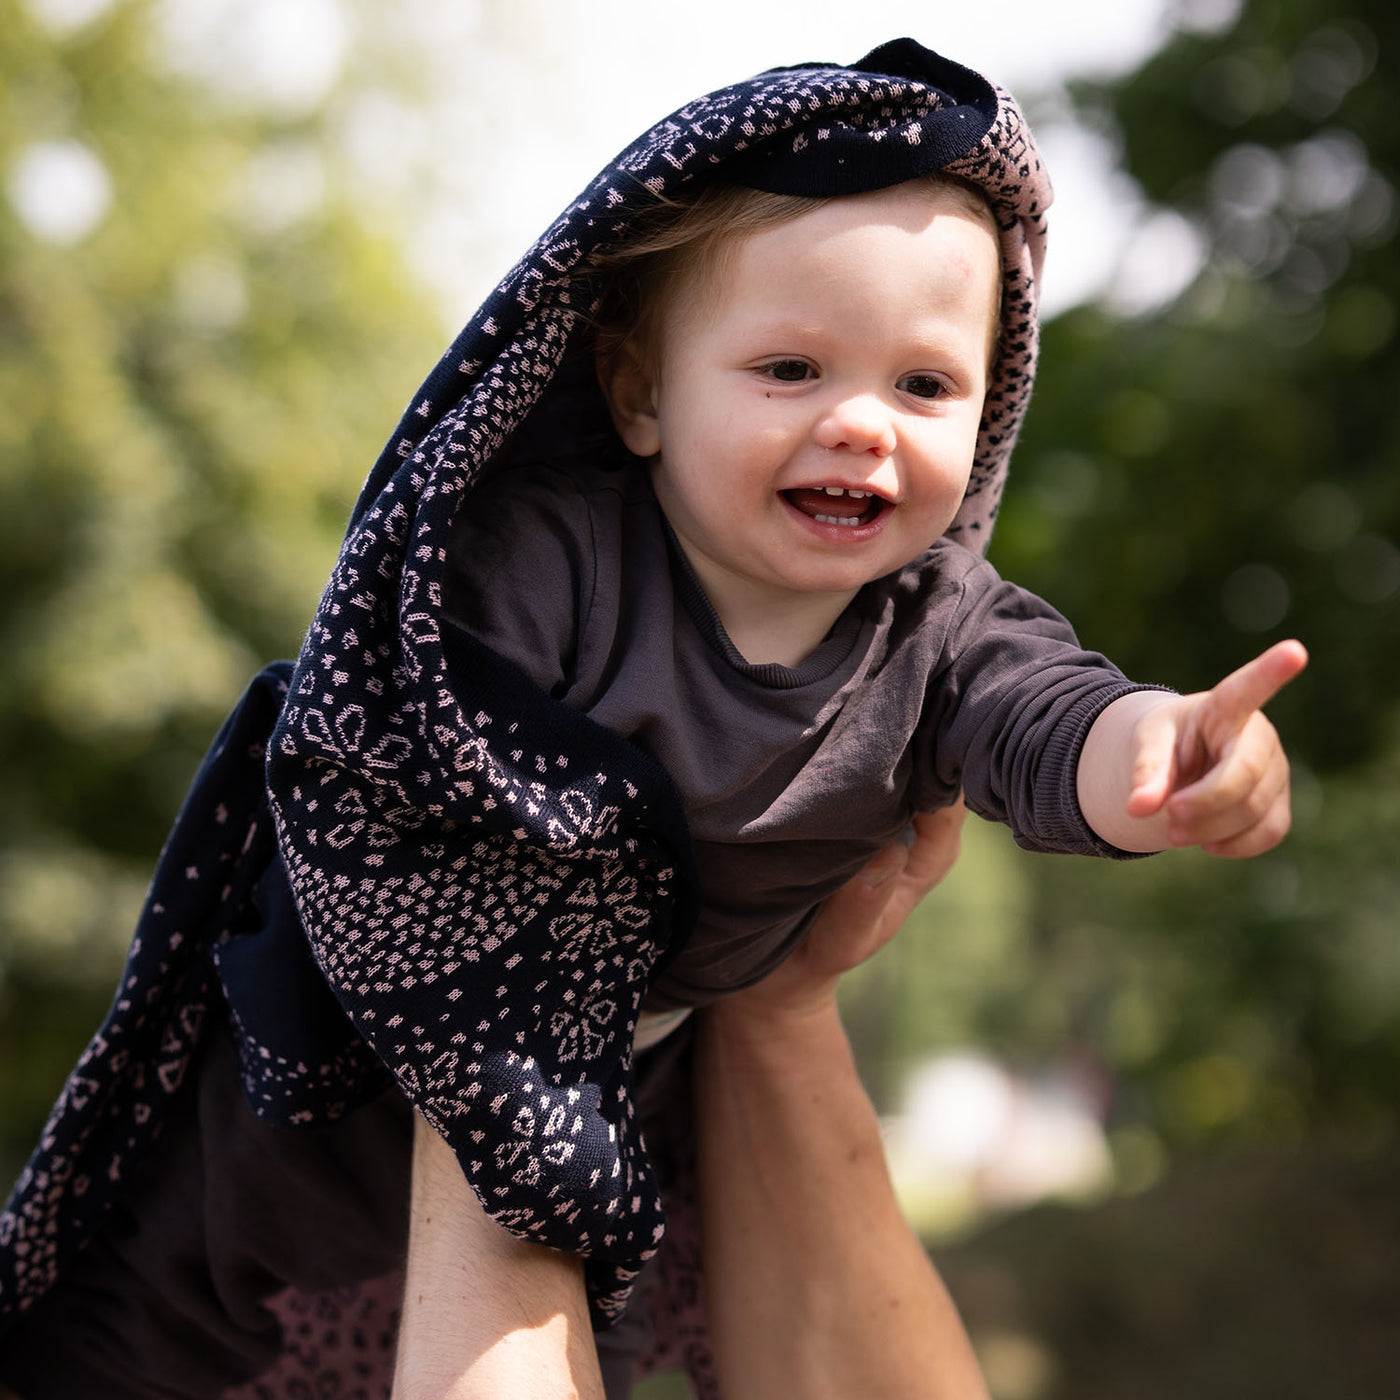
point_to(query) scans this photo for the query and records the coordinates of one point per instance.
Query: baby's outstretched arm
(1204, 770)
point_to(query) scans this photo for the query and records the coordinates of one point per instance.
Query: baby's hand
(1183, 770)
(1209, 767)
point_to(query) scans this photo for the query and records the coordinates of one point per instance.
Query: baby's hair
(675, 238)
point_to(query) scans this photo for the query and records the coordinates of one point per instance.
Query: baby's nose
(859, 423)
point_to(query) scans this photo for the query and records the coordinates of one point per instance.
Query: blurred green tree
(1229, 464)
(203, 339)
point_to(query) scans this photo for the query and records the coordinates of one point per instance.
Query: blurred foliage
(1191, 486)
(1258, 1276)
(1197, 484)
(194, 376)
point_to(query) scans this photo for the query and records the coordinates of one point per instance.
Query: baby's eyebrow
(786, 325)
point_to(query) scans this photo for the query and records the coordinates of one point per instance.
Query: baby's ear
(631, 396)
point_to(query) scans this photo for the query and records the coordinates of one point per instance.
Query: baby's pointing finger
(1256, 683)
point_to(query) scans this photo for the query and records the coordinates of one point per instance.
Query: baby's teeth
(834, 490)
(860, 495)
(837, 519)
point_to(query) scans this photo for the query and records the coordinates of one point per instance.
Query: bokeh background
(1145, 1115)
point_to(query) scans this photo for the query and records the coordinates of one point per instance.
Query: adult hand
(857, 921)
(816, 1288)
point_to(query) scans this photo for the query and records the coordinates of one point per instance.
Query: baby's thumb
(1154, 763)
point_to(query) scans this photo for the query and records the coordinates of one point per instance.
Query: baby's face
(815, 411)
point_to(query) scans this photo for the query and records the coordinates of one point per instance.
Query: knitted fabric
(485, 878)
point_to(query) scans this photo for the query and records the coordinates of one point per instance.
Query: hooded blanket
(442, 875)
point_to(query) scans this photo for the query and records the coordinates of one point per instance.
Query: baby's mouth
(836, 505)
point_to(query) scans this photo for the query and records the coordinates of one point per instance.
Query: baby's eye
(788, 371)
(922, 386)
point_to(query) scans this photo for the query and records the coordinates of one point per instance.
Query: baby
(770, 607)
(763, 596)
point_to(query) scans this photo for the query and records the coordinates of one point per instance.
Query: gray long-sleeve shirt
(938, 677)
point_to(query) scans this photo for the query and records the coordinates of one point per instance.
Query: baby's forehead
(937, 229)
(908, 206)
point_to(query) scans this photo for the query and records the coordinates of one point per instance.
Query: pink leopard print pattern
(336, 1346)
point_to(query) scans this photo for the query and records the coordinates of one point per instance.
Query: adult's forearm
(816, 1286)
(485, 1316)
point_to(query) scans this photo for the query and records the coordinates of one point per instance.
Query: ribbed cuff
(1060, 823)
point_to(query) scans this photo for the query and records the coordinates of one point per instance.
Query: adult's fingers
(852, 924)
(869, 909)
(937, 844)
